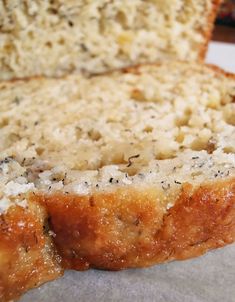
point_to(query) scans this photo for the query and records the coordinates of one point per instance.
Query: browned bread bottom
(27, 255)
(111, 231)
(129, 229)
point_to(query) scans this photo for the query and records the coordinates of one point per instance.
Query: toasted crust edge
(208, 31)
(27, 254)
(116, 230)
(129, 227)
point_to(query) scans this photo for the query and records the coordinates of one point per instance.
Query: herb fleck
(130, 158)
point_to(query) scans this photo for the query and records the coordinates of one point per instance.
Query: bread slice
(53, 38)
(130, 169)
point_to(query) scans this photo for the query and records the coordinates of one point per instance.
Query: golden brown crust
(208, 31)
(27, 257)
(129, 228)
(219, 70)
(126, 228)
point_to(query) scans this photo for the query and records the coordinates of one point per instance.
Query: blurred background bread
(53, 38)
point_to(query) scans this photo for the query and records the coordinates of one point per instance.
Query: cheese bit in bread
(132, 168)
(53, 38)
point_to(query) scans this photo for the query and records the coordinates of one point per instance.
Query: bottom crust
(131, 228)
(27, 255)
(124, 229)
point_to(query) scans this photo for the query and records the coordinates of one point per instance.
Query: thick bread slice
(53, 38)
(133, 168)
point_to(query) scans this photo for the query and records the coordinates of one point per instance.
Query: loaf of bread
(127, 169)
(53, 38)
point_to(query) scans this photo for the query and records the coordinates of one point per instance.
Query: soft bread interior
(156, 125)
(56, 37)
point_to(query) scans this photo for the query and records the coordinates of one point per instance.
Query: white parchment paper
(210, 278)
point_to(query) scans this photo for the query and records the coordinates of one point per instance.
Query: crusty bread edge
(208, 30)
(126, 228)
(134, 230)
(28, 257)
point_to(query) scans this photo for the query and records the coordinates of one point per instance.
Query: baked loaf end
(55, 38)
(133, 168)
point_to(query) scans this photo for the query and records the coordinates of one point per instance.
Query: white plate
(222, 54)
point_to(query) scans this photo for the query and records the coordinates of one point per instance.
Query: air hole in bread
(61, 41)
(229, 150)
(39, 151)
(165, 155)
(199, 145)
(148, 129)
(4, 122)
(179, 137)
(94, 135)
(48, 44)
(121, 18)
